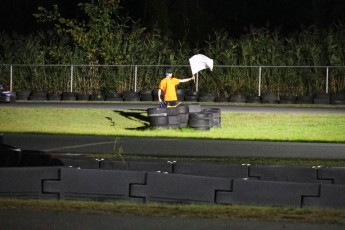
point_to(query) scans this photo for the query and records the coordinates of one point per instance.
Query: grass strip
(209, 211)
(235, 126)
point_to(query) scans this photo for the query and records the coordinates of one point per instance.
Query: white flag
(199, 62)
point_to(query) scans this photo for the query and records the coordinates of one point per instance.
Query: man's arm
(187, 79)
(159, 95)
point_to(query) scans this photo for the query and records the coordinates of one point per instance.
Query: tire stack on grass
(96, 97)
(215, 116)
(83, 97)
(158, 118)
(199, 121)
(173, 118)
(304, 100)
(183, 113)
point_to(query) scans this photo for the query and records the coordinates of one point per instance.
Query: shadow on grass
(134, 115)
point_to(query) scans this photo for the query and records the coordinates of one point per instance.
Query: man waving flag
(199, 62)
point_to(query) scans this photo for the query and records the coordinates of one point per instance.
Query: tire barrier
(253, 99)
(146, 95)
(113, 96)
(54, 97)
(287, 99)
(175, 182)
(338, 99)
(199, 121)
(131, 96)
(238, 98)
(189, 96)
(96, 97)
(158, 118)
(68, 96)
(38, 96)
(183, 115)
(82, 97)
(269, 98)
(23, 95)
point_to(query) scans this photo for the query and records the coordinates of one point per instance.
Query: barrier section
(331, 196)
(144, 166)
(212, 170)
(284, 173)
(256, 192)
(26, 182)
(335, 175)
(180, 188)
(92, 184)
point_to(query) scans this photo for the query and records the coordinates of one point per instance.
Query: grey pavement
(176, 147)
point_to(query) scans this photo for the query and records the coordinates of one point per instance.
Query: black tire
(83, 97)
(96, 97)
(23, 95)
(304, 100)
(183, 109)
(69, 96)
(253, 99)
(54, 97)
(114, 99)
(322, 101)
(238, 98)
(338, 97)
(287, 102)
(38, 96)
(206, 99)
(153, 112)
(221, 99)
(199, 124)
(146, 95)
(172, 111)
(191, 98)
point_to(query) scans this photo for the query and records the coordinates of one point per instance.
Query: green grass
(209, 211)
(236, 126)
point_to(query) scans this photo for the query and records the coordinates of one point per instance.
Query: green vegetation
(236, 126)
(321, 216)
(103, 40)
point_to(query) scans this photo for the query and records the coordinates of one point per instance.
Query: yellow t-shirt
(168, 86)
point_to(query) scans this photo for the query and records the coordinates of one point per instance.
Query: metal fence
(92, 78)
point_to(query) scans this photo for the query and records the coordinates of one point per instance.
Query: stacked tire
(158, 118)
(131, 96)
(113, 96)
(183, 114)
(206, 119)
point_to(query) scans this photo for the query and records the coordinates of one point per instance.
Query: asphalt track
(177, 147)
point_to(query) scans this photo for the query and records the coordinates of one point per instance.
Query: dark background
(192, 20)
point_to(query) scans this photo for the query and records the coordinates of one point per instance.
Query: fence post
(135, 77)
(72, 67)
(260, 69)
(327, 79)
(197, 83)
(11, 78)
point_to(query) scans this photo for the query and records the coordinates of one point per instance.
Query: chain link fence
(223, 80)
